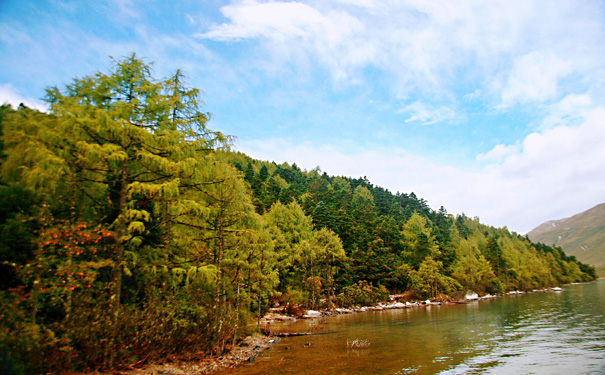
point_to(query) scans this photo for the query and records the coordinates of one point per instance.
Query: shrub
(362, 294)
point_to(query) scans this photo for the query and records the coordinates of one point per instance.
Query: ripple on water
(542, 333)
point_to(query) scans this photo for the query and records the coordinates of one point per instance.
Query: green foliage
(472, 270)
(429, 281)
(418, 241)
(362, 294)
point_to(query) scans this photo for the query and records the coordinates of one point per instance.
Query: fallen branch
(288, 334)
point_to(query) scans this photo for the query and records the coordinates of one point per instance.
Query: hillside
(582, 236)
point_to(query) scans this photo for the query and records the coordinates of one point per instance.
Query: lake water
(538, 333)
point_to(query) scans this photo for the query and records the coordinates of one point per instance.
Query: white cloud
(473, 95)
(125, 10)
(534, 78)
(562, 150)
(573, 101)
(499, 152)
(570, 110)
(368, 4)
(554, 173)
(9, 95)
(428, 47)
(427, 114)
(297, 32)
(273, 20)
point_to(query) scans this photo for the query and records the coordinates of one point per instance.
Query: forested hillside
(582, 235)
(130, 232)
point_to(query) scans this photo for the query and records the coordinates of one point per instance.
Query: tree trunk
(260, 289)
(38, 265)
(237, 307)
(312, 281)
(36, 285)
(118, 260)
(218, 308)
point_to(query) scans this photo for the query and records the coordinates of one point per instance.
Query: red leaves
(75, 239)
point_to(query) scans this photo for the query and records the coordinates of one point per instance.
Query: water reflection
(542, 333)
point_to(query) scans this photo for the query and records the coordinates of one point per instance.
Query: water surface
(539, 333)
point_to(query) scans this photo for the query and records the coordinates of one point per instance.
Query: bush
(362, 294)
(86, 342)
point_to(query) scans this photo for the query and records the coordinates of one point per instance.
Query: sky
(494, 109)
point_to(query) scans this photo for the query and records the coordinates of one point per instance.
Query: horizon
(495, 110)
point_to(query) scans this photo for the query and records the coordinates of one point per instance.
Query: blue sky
(491, 108)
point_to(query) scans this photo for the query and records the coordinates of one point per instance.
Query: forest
(130, 231)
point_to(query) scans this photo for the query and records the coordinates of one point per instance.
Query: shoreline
(245, 351)
(470, 297)
(252, 346)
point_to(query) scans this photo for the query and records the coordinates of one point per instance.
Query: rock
(342, 310)
(515, 292)
(471, 296)
(312, 314)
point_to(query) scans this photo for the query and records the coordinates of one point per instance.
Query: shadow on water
(541, 333)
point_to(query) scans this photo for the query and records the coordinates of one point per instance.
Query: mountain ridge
(581, 235)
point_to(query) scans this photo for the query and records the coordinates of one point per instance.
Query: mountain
(582, 235)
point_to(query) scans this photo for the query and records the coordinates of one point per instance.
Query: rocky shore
(245, 351)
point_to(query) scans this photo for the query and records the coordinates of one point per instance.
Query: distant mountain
(582, 235)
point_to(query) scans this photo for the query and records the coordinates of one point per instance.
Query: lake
(554, 332)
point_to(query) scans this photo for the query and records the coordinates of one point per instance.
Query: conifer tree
(136, 139)
(119, 149)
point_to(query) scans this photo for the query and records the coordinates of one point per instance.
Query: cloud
(427, 114)
(573, 101)
(521, 50)
(562, 150)
(570, 110)
(274, 20)
(125, 10)
(499, 153)
(296, 32)
(368, 4)
(473, 95)
(553, 173)
(9, 95)
(534, 78)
